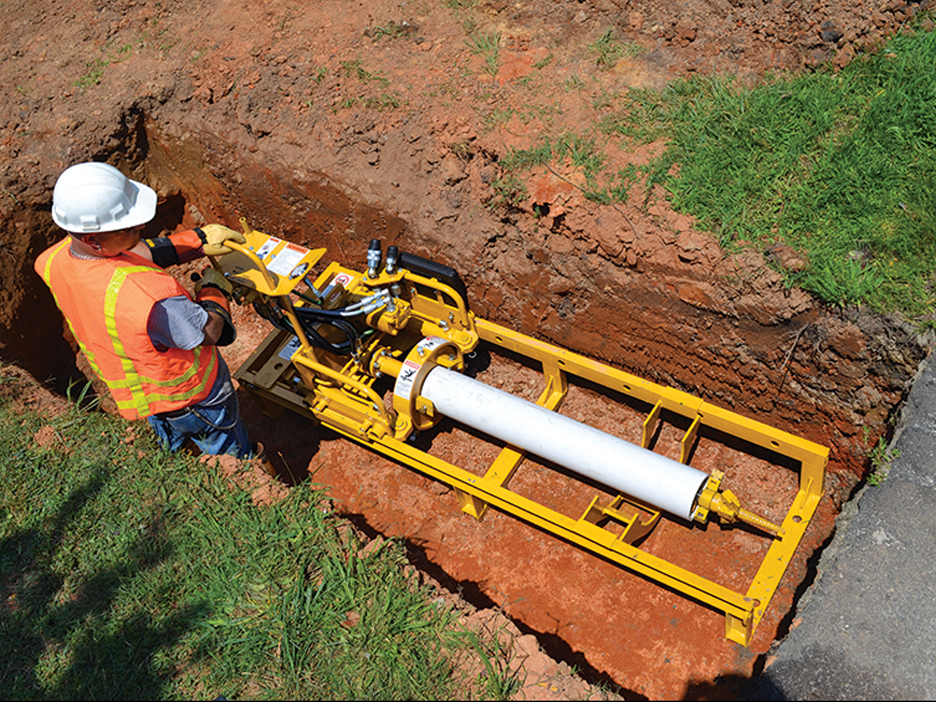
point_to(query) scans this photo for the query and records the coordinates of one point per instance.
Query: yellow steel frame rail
(338, 392)
(743, 611)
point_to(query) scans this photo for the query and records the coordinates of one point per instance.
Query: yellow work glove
(210, 277)
(214, 237)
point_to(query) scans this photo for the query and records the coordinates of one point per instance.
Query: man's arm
(214, 328)
(213, 292)
(186, 246)
(177, 322)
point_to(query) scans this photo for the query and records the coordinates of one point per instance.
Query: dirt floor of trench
(333, 122)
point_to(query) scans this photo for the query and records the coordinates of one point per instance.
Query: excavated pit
(741, 342)
(335, 122)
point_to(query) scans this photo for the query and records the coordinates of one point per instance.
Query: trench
(799, 371)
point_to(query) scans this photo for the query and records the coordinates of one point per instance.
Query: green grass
(609, 49)
(94, 70)
(486, 45)
(578, 151)
(356, 70)
(882, 458)
(574, 83)
(539, 65)
(94, 73)
(127, 572)
(559, 153)
(840, 165)
(391, 30)
(382, 100)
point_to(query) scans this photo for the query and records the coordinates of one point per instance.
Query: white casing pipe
(638, 472)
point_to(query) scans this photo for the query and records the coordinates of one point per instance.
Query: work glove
(211, 278)
(214, 237)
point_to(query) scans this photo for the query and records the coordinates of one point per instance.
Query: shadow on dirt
(291, 441)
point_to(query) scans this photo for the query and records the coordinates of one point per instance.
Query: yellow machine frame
(429, 324)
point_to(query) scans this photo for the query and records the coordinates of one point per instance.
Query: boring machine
(404, 324)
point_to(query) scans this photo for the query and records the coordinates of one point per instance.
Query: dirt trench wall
(648, 294)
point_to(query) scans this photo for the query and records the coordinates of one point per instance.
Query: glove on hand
(210, 277)
(216, 235)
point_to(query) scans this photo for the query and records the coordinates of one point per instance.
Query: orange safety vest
(107, 303)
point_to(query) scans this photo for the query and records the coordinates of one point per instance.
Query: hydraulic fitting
(373, 259)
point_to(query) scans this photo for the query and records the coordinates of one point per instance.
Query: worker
(153, 345)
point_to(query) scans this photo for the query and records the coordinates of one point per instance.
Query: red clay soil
(333, 122)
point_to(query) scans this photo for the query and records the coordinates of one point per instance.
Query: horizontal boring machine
(405, 319)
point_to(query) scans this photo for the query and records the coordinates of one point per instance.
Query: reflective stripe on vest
(133, 381)
(137, 394)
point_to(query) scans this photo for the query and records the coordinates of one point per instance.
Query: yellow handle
(254, 259)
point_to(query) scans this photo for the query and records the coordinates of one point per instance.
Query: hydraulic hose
(364, 306)
(308, 326)
(308, 317)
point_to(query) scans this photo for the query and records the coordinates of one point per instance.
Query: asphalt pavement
(866, 628)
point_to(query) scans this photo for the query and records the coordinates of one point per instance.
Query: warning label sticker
(342, 279)
(287, 259)
(404, 382)
(268, 247)
(289, 349)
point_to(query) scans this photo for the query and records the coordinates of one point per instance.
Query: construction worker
(144, 336)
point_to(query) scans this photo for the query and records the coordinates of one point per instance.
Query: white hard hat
(96, 197)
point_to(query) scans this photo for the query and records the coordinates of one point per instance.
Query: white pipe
(638, 472)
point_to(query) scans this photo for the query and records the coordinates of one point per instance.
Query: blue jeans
(215, 429)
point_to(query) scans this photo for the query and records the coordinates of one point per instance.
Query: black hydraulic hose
(347, 328)
(282, 323)
(308, 298)
(276, 320)
(308, 317)
(341, 311)
(342, 348)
